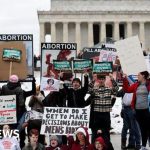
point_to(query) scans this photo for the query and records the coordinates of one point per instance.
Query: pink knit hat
(13, 78)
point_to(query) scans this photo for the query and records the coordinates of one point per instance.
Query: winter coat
(74, 145)
(15, 89)
(76, 97)
(133, 89)
(29, 147)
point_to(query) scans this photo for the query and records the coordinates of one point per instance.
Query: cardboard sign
(102, 68)
(63, 121)
(8, 109)
(55, 51)
(22, 42)
(11, 55)
(49, 84)
(131, 55)
(62, 65)
(80, 65)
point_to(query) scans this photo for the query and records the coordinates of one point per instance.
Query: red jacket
(74, 145)
(132, 89)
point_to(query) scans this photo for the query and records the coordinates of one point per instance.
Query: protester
(108, 144)
(54, 143)
(82, 140)
(129, 123)
(139, 103)
(101, 99)
(33, 141)
(76, 94)
(33, 119)
(25, 95)
(9, 141)
(100, 144)
(13, 87)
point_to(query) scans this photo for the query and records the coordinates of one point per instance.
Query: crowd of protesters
(135, 113)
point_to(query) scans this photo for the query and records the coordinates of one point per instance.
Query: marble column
(90, 34)
(53, 32)
(42, 32)
(129, 29)
(103, 32)
(78, 36)
(142, 34)
(116, 31)
(65, 32)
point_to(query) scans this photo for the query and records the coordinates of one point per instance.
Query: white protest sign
(8, 109)
(131, 55)
(63, 121)
(49, 84)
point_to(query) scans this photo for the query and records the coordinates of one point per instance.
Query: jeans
(130, 123)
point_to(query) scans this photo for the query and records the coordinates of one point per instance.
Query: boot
(123, 144)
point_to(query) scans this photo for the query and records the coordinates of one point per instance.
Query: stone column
(129, 29)
(103, 32)
(53, 32)
(78, 36)
(142, 34)
(42, 32)
(90, 34)
(65, 32)
(116, 31)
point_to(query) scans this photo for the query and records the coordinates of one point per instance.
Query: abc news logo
(9, 134)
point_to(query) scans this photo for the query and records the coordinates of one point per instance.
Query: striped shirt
(102, 97)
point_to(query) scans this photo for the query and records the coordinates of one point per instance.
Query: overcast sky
(20, 17)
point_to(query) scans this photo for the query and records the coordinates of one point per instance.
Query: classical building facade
(89, 22)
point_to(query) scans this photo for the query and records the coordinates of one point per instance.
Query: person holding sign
(13, 87)
(101, 100)
(75, 95)
(139, 103)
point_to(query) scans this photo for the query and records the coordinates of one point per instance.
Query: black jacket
(75, 98)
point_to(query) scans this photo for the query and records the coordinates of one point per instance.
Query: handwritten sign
(49, 84)
(63, 121)
(131, 55)
(80, 65)
(107, 55)
(102, 67)
(62, 65)
(8, 109)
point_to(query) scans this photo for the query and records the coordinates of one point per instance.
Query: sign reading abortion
(56, 51)
(63, 121)
(8, 109)
(102, 67)
(18, 50)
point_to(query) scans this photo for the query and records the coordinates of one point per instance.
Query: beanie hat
(80, 130)
(53, 137)
(77, 80)
(101, 141)
(13, 79)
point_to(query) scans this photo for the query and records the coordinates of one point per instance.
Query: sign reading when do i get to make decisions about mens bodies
(63, 121)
